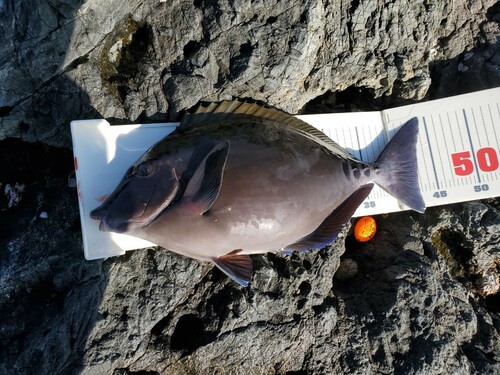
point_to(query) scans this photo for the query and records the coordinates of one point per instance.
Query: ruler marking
(343, 136)
(348, 138)
(422, 183)
(493, 126)
(446, 145)
(451, 132)
(438, 152)
(359, 144)
(369, 150)
(430, 151)
(421, 158)
(374, 155)
(354, 141)
(380, 142)
(376, 144)
(471, 145)
(454, 148)
(338, 137)
(484, 124)
(476, 127)
(493, 175)
(459, 131)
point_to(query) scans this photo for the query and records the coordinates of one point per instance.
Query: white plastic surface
(102, 155)
(466, 125)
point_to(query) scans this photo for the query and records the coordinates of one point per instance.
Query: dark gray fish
(237, 178)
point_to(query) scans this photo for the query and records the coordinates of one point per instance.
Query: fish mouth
(108, 224)
(100, 215)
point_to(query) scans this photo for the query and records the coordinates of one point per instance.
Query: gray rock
(139, 62)
(421, 297)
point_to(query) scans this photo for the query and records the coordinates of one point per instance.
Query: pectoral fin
(329, 229)
(204, 187)
(237, 266)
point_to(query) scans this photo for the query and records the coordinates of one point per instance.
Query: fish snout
(107, 222)
(99, 213)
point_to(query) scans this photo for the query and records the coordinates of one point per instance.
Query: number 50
(487, 160)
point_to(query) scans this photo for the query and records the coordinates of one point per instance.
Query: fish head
(148, 187)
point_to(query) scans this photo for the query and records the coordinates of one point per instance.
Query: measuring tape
(457, 152)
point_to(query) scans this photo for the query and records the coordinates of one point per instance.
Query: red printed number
(487, 160)
(462, 163)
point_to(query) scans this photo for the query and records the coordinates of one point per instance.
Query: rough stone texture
(138, 61)
(422, 297)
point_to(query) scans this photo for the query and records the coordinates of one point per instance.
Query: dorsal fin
(245, 109)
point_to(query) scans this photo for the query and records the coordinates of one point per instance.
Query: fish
(238, 178)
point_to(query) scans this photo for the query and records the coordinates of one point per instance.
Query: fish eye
(145, 169)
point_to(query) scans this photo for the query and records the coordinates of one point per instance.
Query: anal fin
(329, 229)
(237, 266)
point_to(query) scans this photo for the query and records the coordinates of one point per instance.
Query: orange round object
(365, 229)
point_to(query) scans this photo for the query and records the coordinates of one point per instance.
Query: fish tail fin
(399, 169)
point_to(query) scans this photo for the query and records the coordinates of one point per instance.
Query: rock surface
(422, 297)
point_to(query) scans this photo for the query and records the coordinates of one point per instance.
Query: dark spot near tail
(346, 169)
(356, 173)
(367, 172)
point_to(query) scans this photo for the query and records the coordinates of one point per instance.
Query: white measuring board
(459, 146)
(458, 156)
(102, 154)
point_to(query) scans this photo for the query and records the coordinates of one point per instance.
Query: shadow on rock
(398, 291)
(49, 295)
(371, 281)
